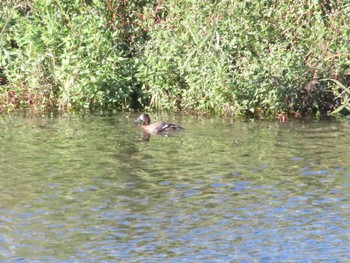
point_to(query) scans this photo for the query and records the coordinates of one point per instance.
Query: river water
(87, 188)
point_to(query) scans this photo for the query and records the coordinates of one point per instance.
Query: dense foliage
(228, 57)
(70, 53)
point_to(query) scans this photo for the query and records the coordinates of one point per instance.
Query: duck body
(160, 127)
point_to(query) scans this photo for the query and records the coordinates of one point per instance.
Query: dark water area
(88, 189)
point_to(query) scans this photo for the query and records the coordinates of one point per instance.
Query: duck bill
(138, 121)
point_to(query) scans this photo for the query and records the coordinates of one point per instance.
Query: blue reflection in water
(89, 190)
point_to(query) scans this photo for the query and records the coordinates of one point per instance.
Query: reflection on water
(89, 189)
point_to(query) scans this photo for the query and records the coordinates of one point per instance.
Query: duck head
(144, 119)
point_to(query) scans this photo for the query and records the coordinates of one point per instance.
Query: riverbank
(249, 58)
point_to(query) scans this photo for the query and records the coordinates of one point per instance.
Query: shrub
(249, 57)
(78, 53)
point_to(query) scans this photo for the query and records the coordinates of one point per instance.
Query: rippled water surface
(89, 189)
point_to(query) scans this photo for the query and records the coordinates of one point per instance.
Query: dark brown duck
(157, 127)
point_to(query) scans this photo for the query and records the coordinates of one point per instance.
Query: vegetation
(250, 58)
(69, 53)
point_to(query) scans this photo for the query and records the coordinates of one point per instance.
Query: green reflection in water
(88, 187)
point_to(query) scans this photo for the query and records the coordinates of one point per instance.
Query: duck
(160, 127)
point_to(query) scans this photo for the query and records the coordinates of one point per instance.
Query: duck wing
(165, 126)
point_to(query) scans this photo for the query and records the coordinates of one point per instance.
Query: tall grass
(250, 58)
(69, 53)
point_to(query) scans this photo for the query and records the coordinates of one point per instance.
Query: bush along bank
(240, 58)
(70, 54)
(250, 57)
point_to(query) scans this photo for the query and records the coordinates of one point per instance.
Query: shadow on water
(90, 188)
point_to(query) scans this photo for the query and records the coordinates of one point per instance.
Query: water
(87, 188)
